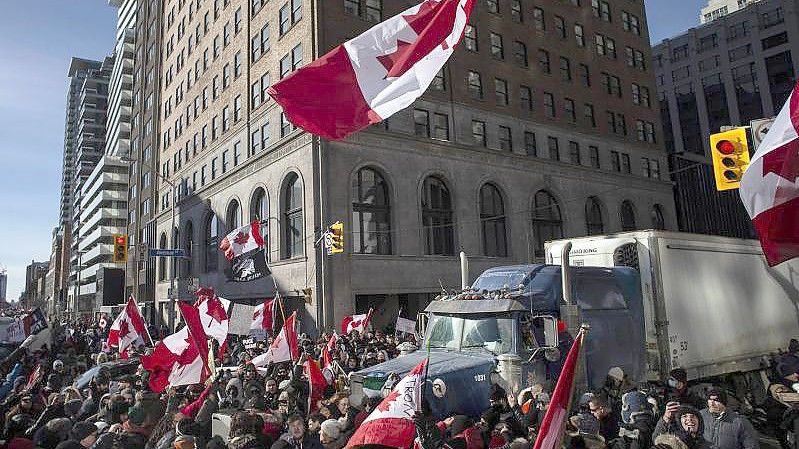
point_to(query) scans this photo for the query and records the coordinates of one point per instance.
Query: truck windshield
(497, 280)
(494, 334)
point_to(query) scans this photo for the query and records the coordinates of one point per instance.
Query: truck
(712, 304)
(653, 301)
(506, 329)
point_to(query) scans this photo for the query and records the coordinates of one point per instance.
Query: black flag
(248, 267)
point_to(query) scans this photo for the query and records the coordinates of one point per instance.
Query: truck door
(533, 371)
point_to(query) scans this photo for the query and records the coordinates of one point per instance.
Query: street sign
(159, 252)
(759, 129)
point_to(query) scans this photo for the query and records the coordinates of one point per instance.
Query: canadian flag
(242, 240)
(284, 348)
(128, 328)
(316, 382)
(180, 358)
(554, 422)
(263, 316)
(382, 71)
(770, 188)
(391, 422)
(213, 314)
(356, 323)
(327, 359)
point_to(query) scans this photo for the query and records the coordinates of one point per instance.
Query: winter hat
(586, 423)
(136, 415)
(679, 374)
(81, 430)
(331, 428)
(616, 373)
(184, 442)
(719, 394)
(633, 404)
(58, 364)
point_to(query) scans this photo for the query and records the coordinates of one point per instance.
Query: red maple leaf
(783, 161)
(189, 354)
(256, 314)
(390, 59)
(216, 310)
(242, 238)
(423, 17)
(123, 329)
(386, 404)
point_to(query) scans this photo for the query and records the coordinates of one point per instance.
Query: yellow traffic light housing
(120, 248)
(337, 238)
(730, 151)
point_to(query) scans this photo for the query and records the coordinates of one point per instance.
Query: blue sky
(37, 40)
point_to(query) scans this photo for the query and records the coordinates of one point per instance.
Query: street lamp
(172, 232)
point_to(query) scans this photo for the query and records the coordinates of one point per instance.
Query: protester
(726, 429)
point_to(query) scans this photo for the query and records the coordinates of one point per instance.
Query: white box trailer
(711, 304)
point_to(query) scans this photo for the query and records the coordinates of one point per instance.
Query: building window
(588, 111)
(568, 110)
(259, 210)
(505, 138)
(188, 245)
(479, 133)
(497, 49)
(493, 6)
(440, 80)
(237, 108)
(549, 104)
(543, 61)
(371, 213)
(565, 69)
(211, 243)
(547, 221)
(285, 125)
(593, 217)
(501, 92)
(475, 85)
(421, 123)
(530, 144)
(293, 214)
(593, 156)
(492, 222)
(526, 98)
(627, 215)
(579, 35)
(440, 126)
(439, 232)
(658, 220)
(520, 53)
(470, 38)
(162, 261)
(574, 153)
(233, 216)
(516, 11)
(538, 19)
(553, 144)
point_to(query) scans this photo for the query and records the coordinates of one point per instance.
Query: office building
(542, 125)
(716, 9)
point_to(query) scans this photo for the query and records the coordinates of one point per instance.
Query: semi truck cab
(508, 329)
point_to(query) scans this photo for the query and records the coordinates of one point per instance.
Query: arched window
(175, 260)
(547, 220)
(437, 217)
(233, 216)
(492, 222)
(371, 213)
(162, 261)
(188, 246)
(211, 243)
(259, 210)
(658, 220)
(593, 217)
(627, 214)
(293, 217)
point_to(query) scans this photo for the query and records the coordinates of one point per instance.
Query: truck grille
(626, 256)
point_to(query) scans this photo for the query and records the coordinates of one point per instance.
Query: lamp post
(173, 278)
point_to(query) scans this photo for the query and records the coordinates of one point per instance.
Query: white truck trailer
(711, 304)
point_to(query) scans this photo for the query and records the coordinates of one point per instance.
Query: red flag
(242, 240)
(284, 348)
(770, 186)
(380, 72)
(175, 360)
(391, 422)
(213, 314)
(196, 332)
(263, 317)
(554, 422)
(316, 382)
(356, 323)
(127, 328)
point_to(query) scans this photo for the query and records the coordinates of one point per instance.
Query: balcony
(99, 233)
(103, 249)
(106, 214)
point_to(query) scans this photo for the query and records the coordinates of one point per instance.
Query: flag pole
(279, 300)
(146, 329)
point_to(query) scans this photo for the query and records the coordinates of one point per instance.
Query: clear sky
(37, 40)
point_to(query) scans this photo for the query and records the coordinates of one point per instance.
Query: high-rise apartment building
(56, 281)
(86, 128)
(35, 274)
(728, 72)
(543, 125)
(3, 285)
(716, 9)
(145, 144)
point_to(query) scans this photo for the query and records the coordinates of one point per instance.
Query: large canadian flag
(263, 316)
(242, 240)
(316, 383)
(770, 189)
(213, 314)
(284, 348)
(554, 423)
(356, 323)
(391, 422)
(128, 328)
(376, 74)
(181, 358)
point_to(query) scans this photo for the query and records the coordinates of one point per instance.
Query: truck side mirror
(550, 326)
(421, 324)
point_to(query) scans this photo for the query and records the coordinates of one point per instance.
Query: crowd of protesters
(41, 408)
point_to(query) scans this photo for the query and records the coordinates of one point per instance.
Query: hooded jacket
(675, 428)
(729, 431)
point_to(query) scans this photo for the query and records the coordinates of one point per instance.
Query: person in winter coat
(637, 425)
(725, 429)
(132, 436)
(678, 390)
(246, 432)
(297, 437)
(608, 422)
(684, 422)
(331, 436)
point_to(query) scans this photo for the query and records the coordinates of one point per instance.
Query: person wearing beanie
(678, 390)
(724, 428)
(684, 422)
(185, 442)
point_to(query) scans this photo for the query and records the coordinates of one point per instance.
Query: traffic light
(730, 151)
(120, 248)
(337, 238)
(307, 295)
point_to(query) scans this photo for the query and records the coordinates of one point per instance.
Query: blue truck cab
(502, 330)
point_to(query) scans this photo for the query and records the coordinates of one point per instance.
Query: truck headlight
(439, 388)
